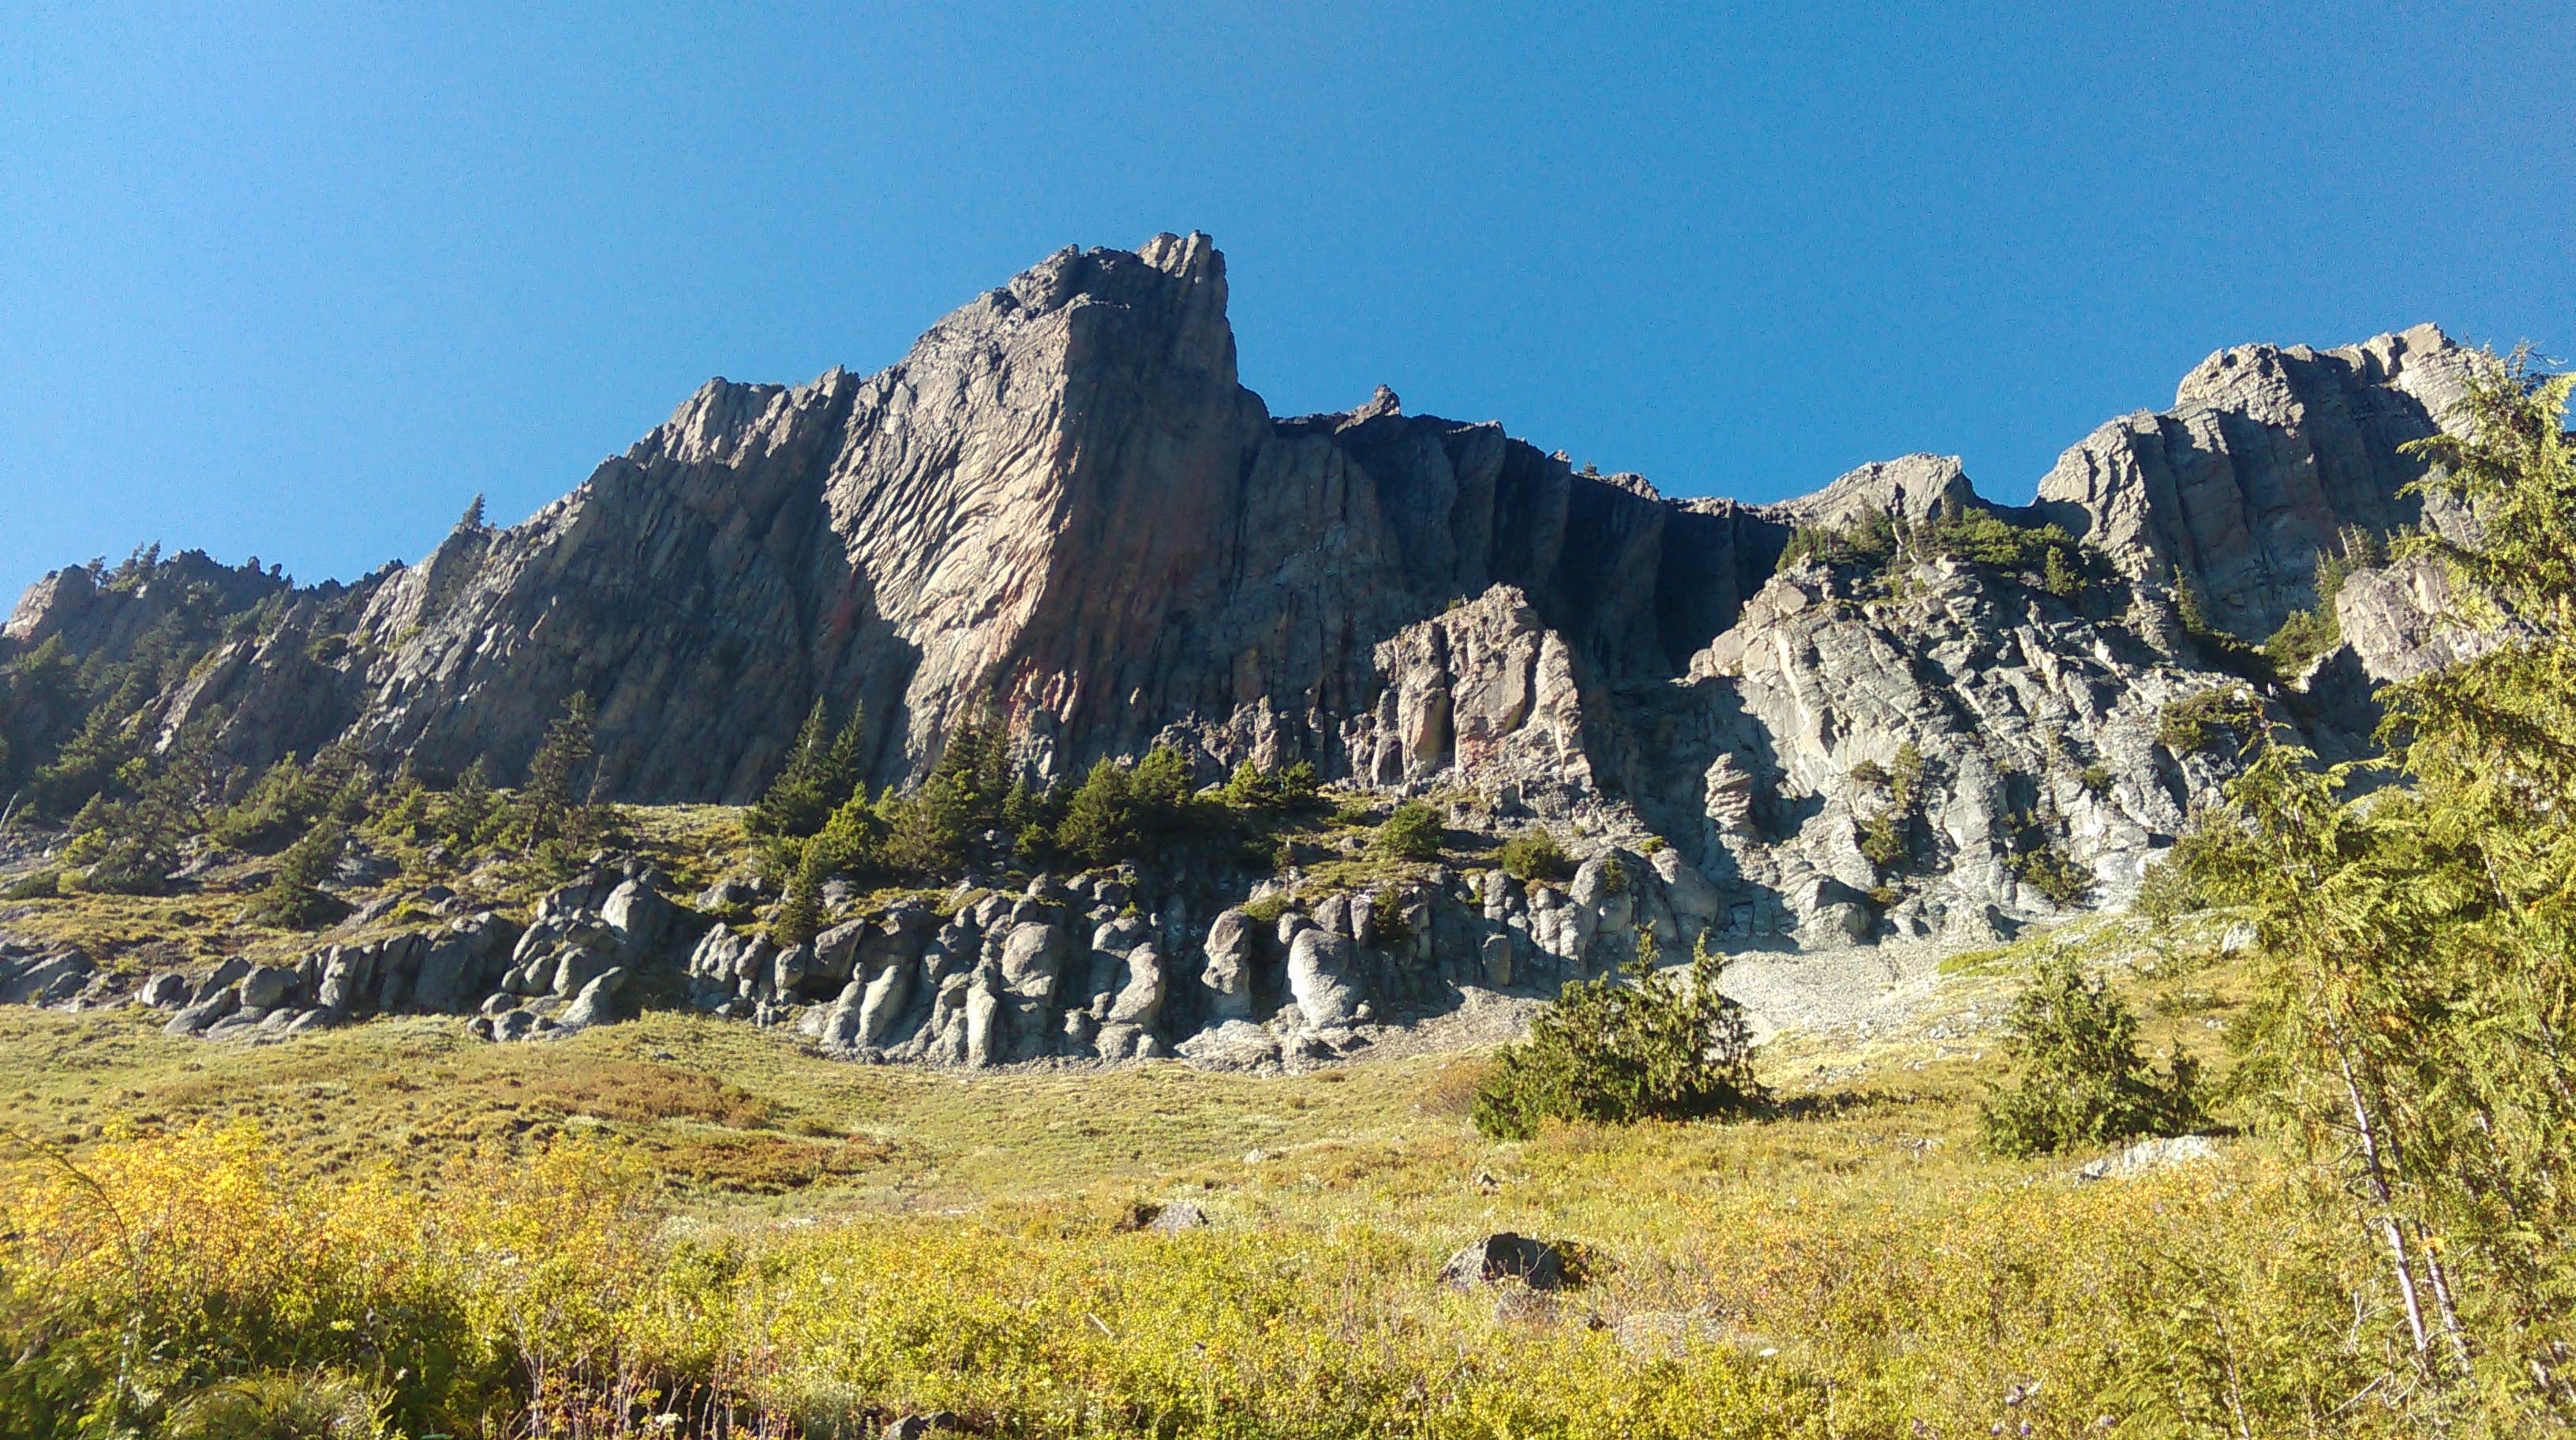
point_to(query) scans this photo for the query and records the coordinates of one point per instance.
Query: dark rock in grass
(597, 1003)
(198, 1017)
(164, 991)
(45, 981)
(1505, 1256)
(918, 1427)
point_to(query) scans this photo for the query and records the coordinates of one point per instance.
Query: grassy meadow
(688, 1226)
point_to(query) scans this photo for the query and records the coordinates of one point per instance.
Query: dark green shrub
(966, 793)
(1122, 812)
(2200, 722)
(464, 816)
(2167, 891)
(2303, 636)
(1100, 822)
(1265, 912)
(1887, 837)
(2079, 1079)
(1638, 1045)
(2306, 634)
(2044, 552)
(2044, 867)
(294, 897)
(551, 817)
(1869, 541)
(1534, 854)
(1413, 832)
(1882, 838)
(1291, 787)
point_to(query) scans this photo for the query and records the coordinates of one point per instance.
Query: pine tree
(1637, 1045)
(465, 812)
(2415, 1011)
(549, 812)
(473, 519)
(294, 895)
(1099, 825)
(798, 801)
(800, 913)
(2080, 1078)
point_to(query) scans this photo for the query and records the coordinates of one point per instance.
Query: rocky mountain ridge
(1062, 504)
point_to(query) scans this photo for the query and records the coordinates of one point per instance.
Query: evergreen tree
(1413, 832)
(1099, 825)
(2080, 1078)
(964, 795)
(293, 896)
(129, 841)
(800, 913)
(550, 815)
(1637, 1045)
(464, 814)
(2416, 950)
(796, 803)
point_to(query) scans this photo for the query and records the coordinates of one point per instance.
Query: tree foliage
(1290, 787)
(552, 817)
(2228, 715)
(294, 896)
(1413, 832)
(1535, 854)
(822, 771)
(1640, 1044)
(2079, 1078)
(2417, 948)
(2041, 555)
(1122, 812)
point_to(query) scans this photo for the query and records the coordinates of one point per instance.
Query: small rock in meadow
(2149, 1155)
(1177, 1217)
(1505, 1256)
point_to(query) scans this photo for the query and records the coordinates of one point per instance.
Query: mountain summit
(1063, 507)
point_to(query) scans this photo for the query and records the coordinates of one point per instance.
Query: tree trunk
(2377, 1177)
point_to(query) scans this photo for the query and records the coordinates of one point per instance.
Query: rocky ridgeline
(1063, 503)
(1086, 967)
(568, 968)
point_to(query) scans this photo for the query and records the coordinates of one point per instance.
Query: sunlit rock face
(1063, 508)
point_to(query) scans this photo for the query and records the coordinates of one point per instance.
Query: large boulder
(1226, 977)
(1321, 978)
(1503, 1257)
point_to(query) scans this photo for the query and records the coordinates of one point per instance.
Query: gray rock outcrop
(1063, 503)
(2266, 457)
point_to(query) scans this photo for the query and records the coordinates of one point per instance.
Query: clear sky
(299, 281)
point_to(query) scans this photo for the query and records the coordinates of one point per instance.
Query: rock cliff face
(2267, 455)
(1063, 504)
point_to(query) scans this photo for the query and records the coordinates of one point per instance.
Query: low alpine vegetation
(1640, 1044)
(2079, 1079)
(1535, 854)
(2043, 556)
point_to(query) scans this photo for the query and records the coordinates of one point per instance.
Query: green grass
(824, 1240)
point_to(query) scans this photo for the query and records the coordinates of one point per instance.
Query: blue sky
(299, 281)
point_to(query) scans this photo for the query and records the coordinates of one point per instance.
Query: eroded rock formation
(1064, 504)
